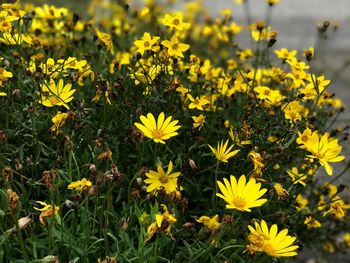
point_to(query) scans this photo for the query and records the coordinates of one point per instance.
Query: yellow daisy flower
(158, 131)
(311, 222)
(197, 103)
(175, 48)
(198, 121)
(175, 22)
(146, 43)
(241, 195)
(80, 185)
(222, 153)
(270, 241)
(52, 94)
(158, 179)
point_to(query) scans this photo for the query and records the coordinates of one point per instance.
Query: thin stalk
(214, 199)
(20, 237)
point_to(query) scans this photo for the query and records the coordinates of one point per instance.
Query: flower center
(304, 138)
(146, 44)
(54, 100)
(163, 179)
(176, 21)
(158, 134)
(239, 202)
(267, 92)
(175, 46)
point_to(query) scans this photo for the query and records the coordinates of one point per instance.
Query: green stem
(76, 164)
(214, 199)
(70, 166)
(20, 237)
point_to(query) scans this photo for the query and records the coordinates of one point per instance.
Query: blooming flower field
(136, 133)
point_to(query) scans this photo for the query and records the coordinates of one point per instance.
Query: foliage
(94, 111)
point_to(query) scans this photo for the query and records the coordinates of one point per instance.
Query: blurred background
(295, 21)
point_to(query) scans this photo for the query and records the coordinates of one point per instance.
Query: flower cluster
(152, 134)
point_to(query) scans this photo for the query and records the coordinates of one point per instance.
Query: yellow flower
(272, 2)
(241, 195)
(120, 60)
(175, 22)
(52, 94)
(301, 202)
(175, 48)
(211, 224)
(146, 43)
(222, 153)
(315, 85)
(163, 223)
(15, 39)
(182, 90)
(105, 39)
(296, 176)
(337, 208)
(280, 191)
(107, 92)
(58, 121)
(346, 238)
(332, 189)
(325, 150)
(46, 211)
(270, 97)
(297, 65)
(270, 241)
(80, 185)
(5, 21)
(312, 223)
(309, 53)
(158, 179)
(294, 111)
(245, 54)
(198, 121)
(298, 77)
(197, 103)
(256, 159)
(261, 35)
(307, 138)
(4, 75)
(159, 131)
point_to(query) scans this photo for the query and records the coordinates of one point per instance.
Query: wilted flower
(46, 211)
